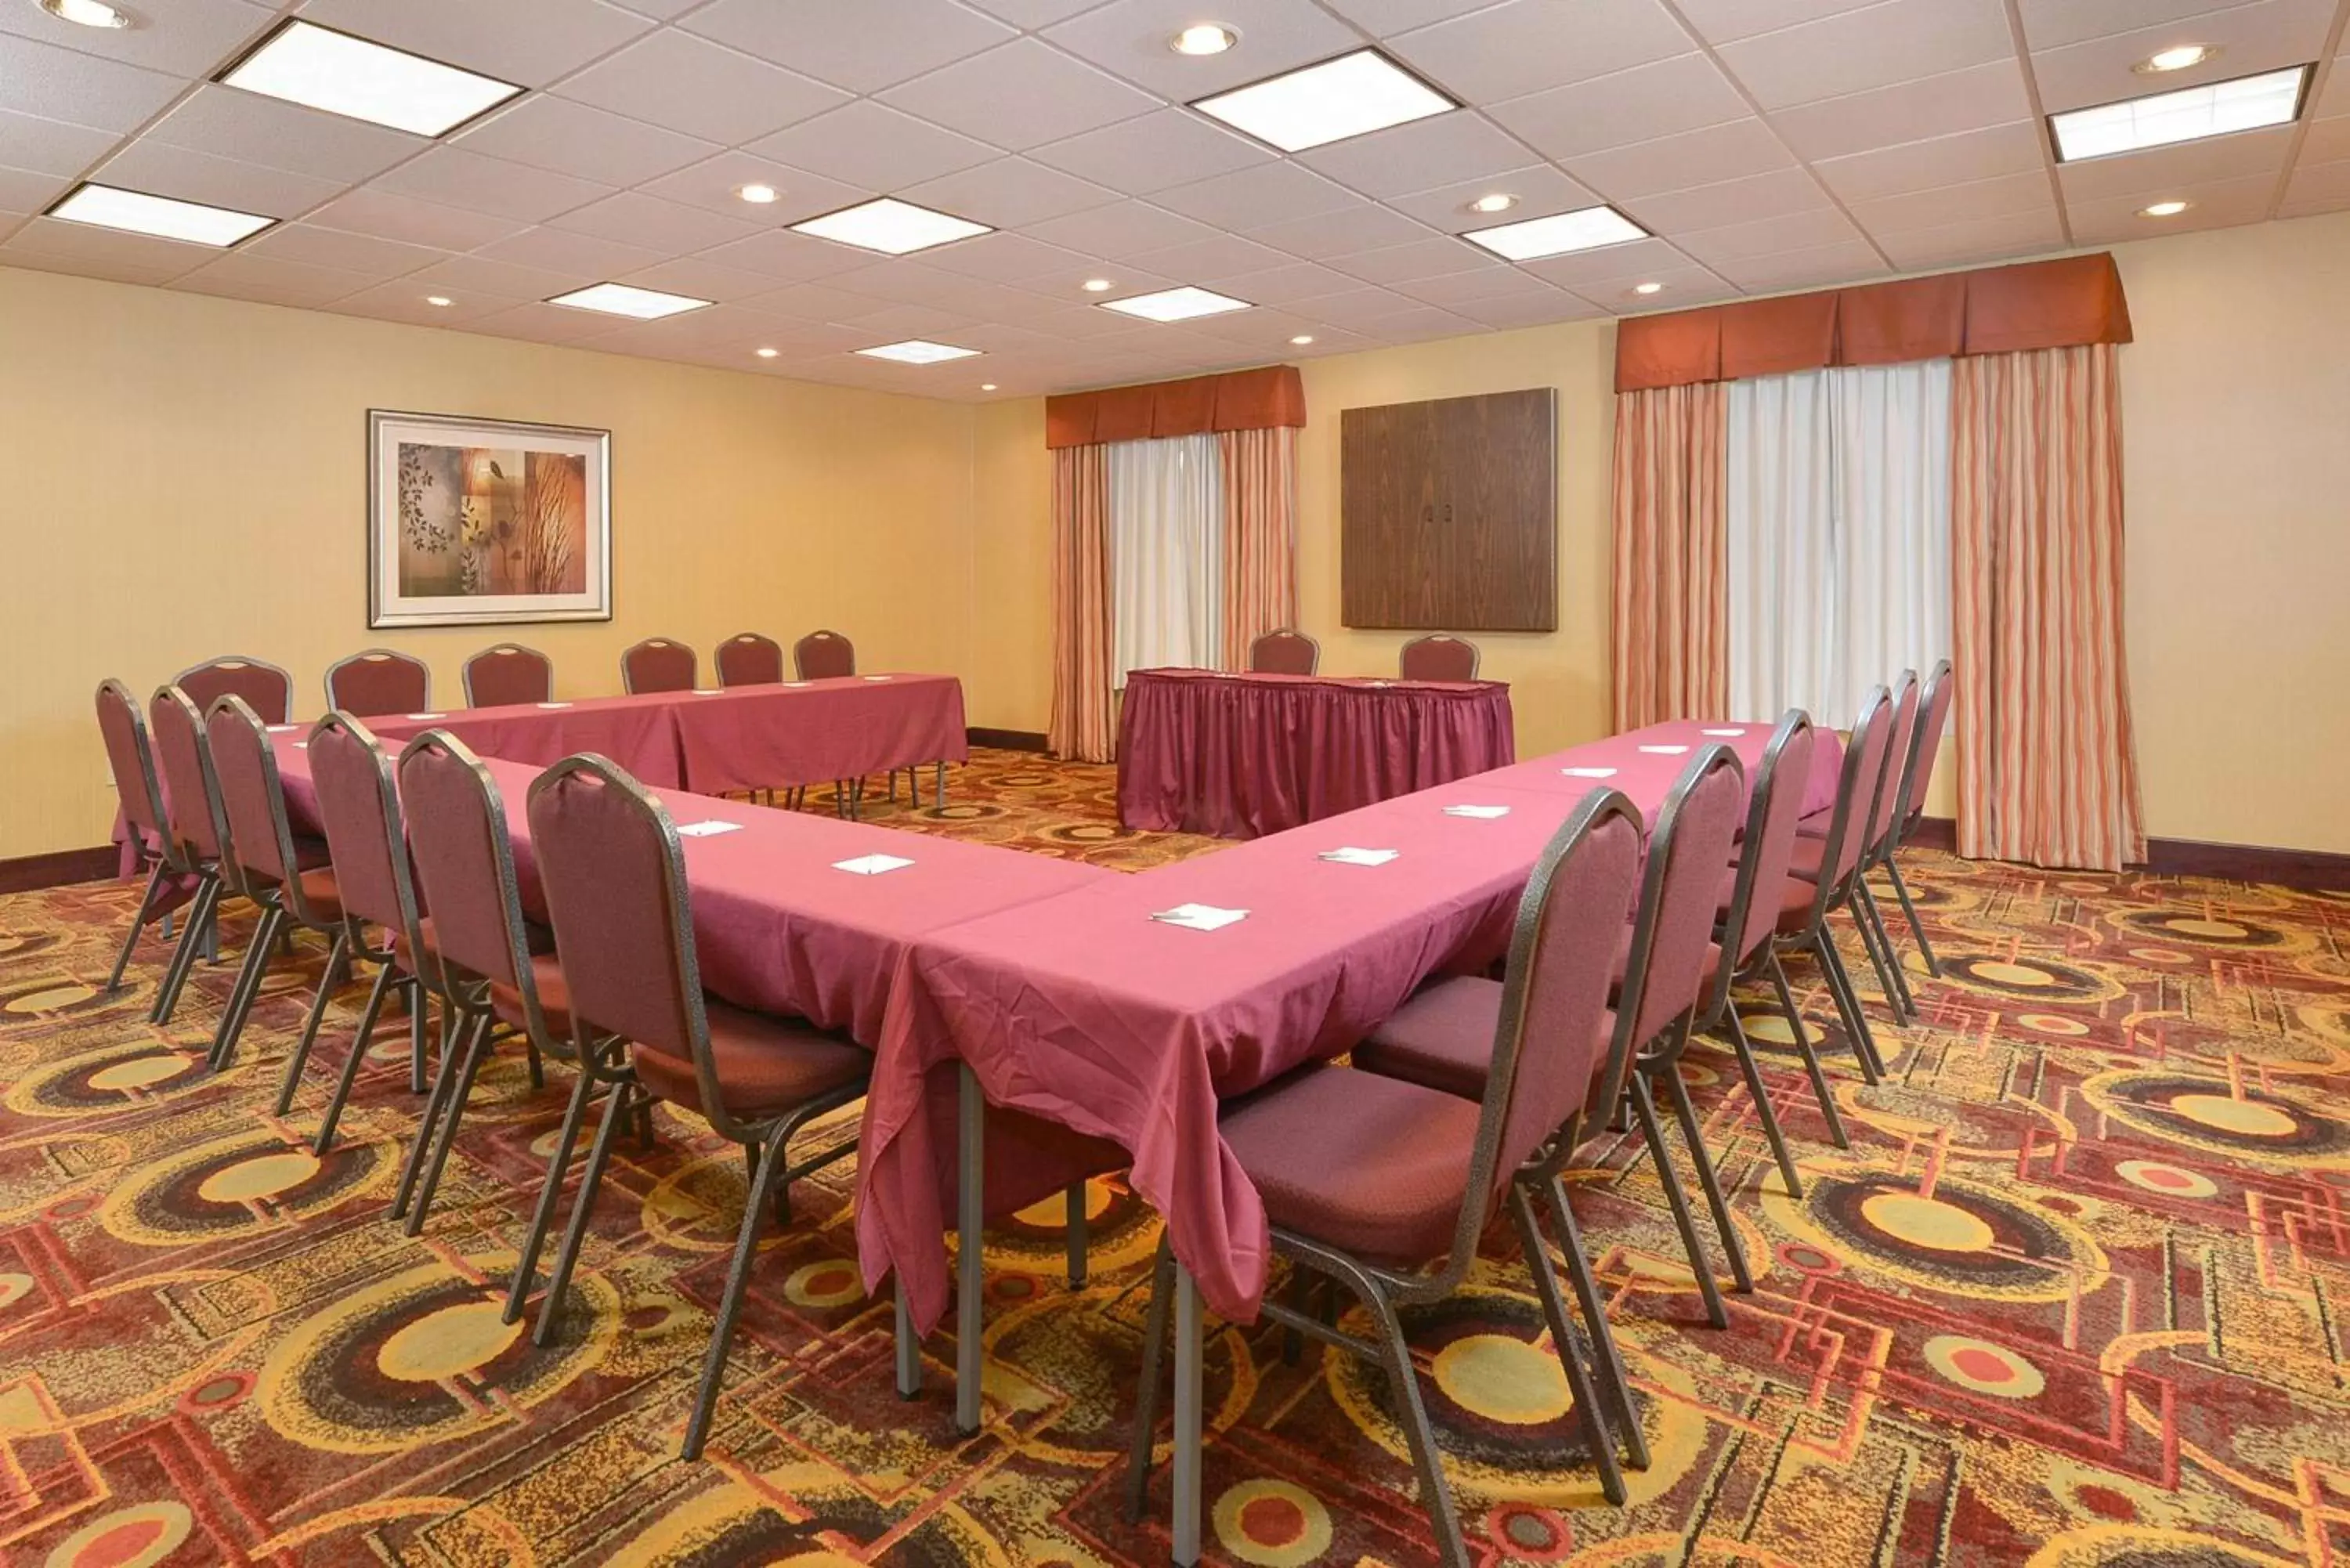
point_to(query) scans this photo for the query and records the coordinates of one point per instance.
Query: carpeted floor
(2075, 1297)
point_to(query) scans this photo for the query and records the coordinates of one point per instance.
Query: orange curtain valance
(1236, 400)
(2060, 304)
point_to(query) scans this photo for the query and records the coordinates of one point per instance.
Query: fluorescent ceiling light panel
(1559, 233)
(621, 300)
(1175, 304)
(915, 351)
(136, 212)
(306, 63)
(2188, 114)
(894, 228)
(1351, 95)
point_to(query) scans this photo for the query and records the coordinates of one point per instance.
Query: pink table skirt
(1240, 756)
(1113, 1036)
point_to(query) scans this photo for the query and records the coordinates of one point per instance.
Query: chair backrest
(506, 675)
(379, 681)
(613, 873)
(1933, 717)
(1885, 811)
(193, 797)
(1285, 652)
(824, 656)
(1773, 812)
(1664, 975)
(267, 690)
(1864, 765)
(254, 801)
(658, 664)
(132, 761)
(1437, 658)
(359, 808)
(465, 862)
(746, 658)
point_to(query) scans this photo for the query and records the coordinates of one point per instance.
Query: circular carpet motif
(2202, 1113)
(2030, 977)
(1964, 1238)
(134, 1072)
(233, 1186)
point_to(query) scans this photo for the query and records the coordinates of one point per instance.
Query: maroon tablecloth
(776, 926)
(1085, 1014)
(1240, 756)
(638, 732)
(1643, 764)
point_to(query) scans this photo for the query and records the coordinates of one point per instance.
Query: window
(1166, 554)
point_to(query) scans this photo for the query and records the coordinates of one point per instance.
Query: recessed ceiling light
(2186, 114)
(306, 63)
(87, 13)
(2170, 208)
(916, 351)
(136, 212)
(1647, 288)
(1303, 338)
(890, 226)
(757, 195)
(1351, 95)
(1099, 286)
(1533, 238)
(987, 386)
(1496, 202)
(2176, 59)
(623, 299)
(439, 301)
(1175, 304)
(767, 353)
(1205, 39)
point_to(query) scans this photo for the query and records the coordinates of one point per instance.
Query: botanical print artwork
(478, 521)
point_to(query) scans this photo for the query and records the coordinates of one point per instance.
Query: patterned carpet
(2075, 1298)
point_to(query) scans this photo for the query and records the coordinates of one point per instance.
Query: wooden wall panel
(1447, 514)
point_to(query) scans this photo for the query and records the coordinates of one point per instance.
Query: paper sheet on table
(1199, 916)
(422, 716)
(1725, 735)
(1588, 773)
(871, 864)
(707, 829)
(1664, 751)
(1348, 855)
(553, 704)
(1480, 811)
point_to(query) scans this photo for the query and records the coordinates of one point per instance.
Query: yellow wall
(182, 476)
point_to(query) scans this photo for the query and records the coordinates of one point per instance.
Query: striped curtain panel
(1672, 616)
(1260, 537)
(1083, 727)
(2047, 769)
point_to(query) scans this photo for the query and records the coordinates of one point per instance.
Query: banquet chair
(658, 664)
(746, 658)
(377, 681)
(824, 656)
(1384, 1186)
(613, 871)
(1924, 746)
(1802, 919)
(267, 689)
(1285, 652)
(197, 828)
(479, 949)
(285, 880)
(131, 759)
(508, 675)
(368, 845)
(1437, 658)
(1880, 823)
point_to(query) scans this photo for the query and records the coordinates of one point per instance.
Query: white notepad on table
(1588, 773)
(1725, 735)
(1478, 810)
(876, 678)
(1348, 855)
(424, 716)
(553, 704)
(283, 729)
(1664, 751)
(708, 690)
(709, 829)
(872, 865)
(1199, 916)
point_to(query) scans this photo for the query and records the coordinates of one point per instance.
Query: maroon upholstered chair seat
(1441, 1039)
(1816, 825)
(768, 1064)
(1372, 1164)
(554, 997)
(318, 885)
(1793, 898)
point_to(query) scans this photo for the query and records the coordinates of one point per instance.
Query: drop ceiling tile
(403, 301)
(1257, 198)
(1544, 309)
(1129, 39)
(1363, 226)
(1386, 18)
(2327, 141)
(2266, 35)
(698, 278)
(1424, 155)
(1541, 190)
(1725, 21)
(714, 186)
(317, 246)
(81, 90)
(242, 274)
(1969, 99)
(633, 217)
(561, 250)
(659, 10)
(1034, 13)
(1684, 93)
(1137, 156)
(2216, 204)
(1222, 256)
(2158, 170)
(1632, 261)
(1419, 259)
(1879, 45)
(788, 257)
(187, 37)
(164, 171)
(1730, 151)
(154, 259)
(2052, 24)
(874, 146)
(1766, 236)
(1009, 194)
(50, 146)
(1356, 306)
(1259, 331)
(1528, 46)
(1121, 229)
(1285, 285)
(814, 302)
(896, 323)
(2015, 147)
(1065, 286)
(252, 128)
(389, 215)
(532, 42)
(1850, 261)
(1083, 324)
(1417, 324)
(687, 84)
(457, 178)
(586, 143)
(1020, 95)
(1729, 201)
(2004, 196)
(544, 323)
(460, 274)
(1455, 289)
(861, 44)
(2333, 93)
(2317, 188)
(29, 254)
(24, 190)
(1976, 240)
(1002, 258)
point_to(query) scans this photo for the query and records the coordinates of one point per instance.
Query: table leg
(909, 1349)
(1185, 1499)
(970, 1344)
(1074, 1234)
(943, 783)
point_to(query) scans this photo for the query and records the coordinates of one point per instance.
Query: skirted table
(1240, 756)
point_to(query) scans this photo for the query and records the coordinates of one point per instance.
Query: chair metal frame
(169, 861)
(1832, 892)
(1884, 821)
(505, 650)
(1933, 714)
(1383, 1291)
(1437, 640)
(1285, 635)
(650, 644)
(201, 936)
(241, 662)
(379, 656)
(766, 1141)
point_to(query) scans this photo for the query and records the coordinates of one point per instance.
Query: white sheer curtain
(1166, 554)
(1839, 523)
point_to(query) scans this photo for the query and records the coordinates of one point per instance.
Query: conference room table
(1242, 755)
